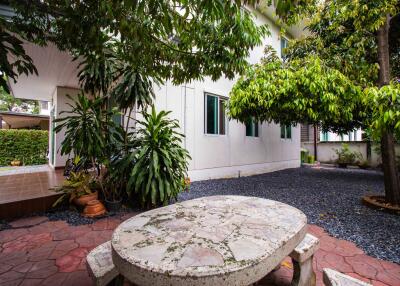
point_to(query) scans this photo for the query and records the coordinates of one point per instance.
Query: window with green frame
(286, 131)
(284, 45)
(215, 118)
(252, 128)
(325, 136)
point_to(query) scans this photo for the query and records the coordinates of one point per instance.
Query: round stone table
(218, 240)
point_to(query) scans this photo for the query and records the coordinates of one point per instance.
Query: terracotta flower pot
(94, 208)
(83, 200)
(15, 163)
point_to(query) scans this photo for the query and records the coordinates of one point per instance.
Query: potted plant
(15, 162)
(77, 189)
(345, 156)
(361, 162)
(112, 191)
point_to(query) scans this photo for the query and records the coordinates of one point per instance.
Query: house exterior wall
(59, 103)
(213, 156)
(355, 135)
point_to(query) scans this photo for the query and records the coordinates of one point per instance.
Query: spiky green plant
(161, 162)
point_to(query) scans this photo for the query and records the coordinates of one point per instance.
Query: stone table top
(218, 240)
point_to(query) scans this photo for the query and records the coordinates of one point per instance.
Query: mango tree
(355, 38)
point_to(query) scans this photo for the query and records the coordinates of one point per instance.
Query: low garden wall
(28, 146)
(326, 151)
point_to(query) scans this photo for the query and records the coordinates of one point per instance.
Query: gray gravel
(331, 198)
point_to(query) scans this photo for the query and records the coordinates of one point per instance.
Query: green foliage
(345, 156)
(343, 35)
(179, 40)
(83, 125)
(160, 162)
(303, 90)
(385, 102)
(10, 103)
(13, 59)
(77, 185)
(28, 146)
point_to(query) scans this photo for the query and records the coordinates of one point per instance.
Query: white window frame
(220, 98)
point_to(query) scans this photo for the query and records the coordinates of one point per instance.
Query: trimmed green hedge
(28, 146)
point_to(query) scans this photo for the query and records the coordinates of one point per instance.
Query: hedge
(28, 146)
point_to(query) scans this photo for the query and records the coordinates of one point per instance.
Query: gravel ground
(329, 197)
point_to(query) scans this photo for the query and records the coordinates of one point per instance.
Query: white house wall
(60, 103)
(213, 156)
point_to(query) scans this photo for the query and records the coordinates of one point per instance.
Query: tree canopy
(303, 90)
(343, 76)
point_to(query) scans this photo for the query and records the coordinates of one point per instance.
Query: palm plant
(83, 129)
(161, 162)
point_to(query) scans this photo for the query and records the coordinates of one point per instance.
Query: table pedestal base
(303, 273)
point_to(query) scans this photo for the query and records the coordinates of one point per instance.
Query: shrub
(161, 162)
(345, 156)
(28, 146)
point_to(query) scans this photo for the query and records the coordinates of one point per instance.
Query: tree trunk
(391, 178)
(315, 143)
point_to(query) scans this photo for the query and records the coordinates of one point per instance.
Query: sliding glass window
(215, 115)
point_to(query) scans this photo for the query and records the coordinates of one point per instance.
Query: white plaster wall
(232, 154)
(215, 156)
(60, 102)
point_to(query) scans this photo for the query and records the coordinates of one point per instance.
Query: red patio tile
(11, 277)
(30, 221)
(55, 279)
(31, 282)
(57, 252)
(42, 269)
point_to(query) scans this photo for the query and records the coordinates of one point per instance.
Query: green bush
(28, 146)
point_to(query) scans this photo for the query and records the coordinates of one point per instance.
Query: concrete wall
(326, 151)
(60, 103)
(232, 154)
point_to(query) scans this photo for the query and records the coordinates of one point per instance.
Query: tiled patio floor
(19, 187)
(53, 253)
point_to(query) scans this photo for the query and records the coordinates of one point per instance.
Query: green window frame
(325, 136)
(286, 131)
(252, 128)
(284, 45)
(214, 114)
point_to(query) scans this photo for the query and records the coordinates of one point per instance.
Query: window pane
(221, 116)
(212, 121)
(288, 131)
(256, 129)
(283, 131)
(284, 44)
(118, 119)
(248, 128)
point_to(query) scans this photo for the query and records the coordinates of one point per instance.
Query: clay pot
(94, 208)
(15, 163)
(83, 200)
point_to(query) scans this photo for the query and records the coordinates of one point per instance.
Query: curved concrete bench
(100, 265)
(334, 278)
(302, 258)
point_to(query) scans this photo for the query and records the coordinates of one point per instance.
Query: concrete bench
(302, 258)
(100, 265)
(334, 278)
